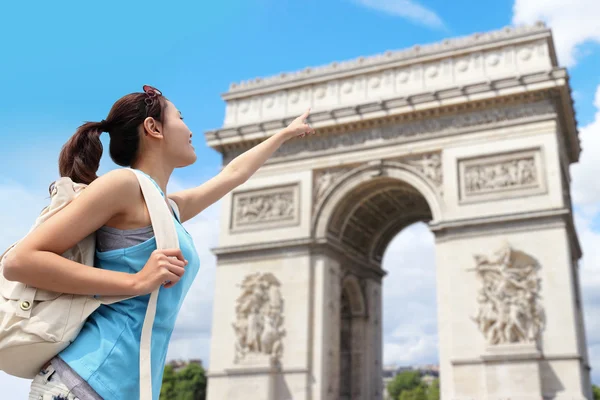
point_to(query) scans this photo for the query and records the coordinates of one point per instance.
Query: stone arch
(401, 184)
(362, 174)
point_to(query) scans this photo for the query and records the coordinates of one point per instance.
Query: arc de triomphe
(472, 135)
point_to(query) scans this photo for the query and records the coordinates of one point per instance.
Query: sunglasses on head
(152, 93)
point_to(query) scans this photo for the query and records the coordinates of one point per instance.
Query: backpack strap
(175, 209)
(166, 238)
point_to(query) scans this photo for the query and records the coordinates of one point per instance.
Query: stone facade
(474, 136)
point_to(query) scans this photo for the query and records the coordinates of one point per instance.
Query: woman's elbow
(12, 265)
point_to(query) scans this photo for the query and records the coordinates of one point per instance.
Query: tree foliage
(186, 384)
(404, 381)
(433, 391)
(408, 385)
(417, 393)
(596, 392)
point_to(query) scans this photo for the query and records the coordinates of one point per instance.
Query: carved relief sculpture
(324, 179)
(429, 165)
(259, 318)
(270, 207)
(501, 176)
(512, 173)
(510, 310)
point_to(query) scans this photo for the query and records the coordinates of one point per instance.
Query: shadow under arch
(356, 301)
(370, 204)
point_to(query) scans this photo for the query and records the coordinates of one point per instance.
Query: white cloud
(191, 336)
(586, 197)
(20, 207)
(410, 336)
(573, 23)
(586, 187)
(17, 387)
(408, 9)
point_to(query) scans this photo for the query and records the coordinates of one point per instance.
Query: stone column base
(252, 377)
(512, 372)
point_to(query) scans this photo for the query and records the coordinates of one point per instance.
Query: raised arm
(36, 260)
(192, 201)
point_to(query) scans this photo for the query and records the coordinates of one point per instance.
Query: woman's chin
(188, 159)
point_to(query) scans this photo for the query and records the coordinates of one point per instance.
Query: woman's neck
(156, 170)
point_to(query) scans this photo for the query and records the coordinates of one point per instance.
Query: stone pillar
(509, 325)
(373, 342)
(262, 328)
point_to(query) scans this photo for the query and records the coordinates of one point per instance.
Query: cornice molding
(326, 121)
(425, 124)
(413, 55)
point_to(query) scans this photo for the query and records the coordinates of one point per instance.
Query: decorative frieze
(404, 130)
(388, 80)
(259, 319)
(478, 39)
(502, 175)
(510, 310)
(266, 208)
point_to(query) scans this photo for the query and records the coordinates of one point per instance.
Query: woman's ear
(152, 127)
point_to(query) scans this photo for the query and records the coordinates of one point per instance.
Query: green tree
(433, 391)
(596, 392)
(404, 381)
(167, 390)
(187, 384)
(417, 393)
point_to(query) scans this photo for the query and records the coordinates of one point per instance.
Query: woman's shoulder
(117, 180)
(118, 186)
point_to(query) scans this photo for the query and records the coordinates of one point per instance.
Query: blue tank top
(106, 351)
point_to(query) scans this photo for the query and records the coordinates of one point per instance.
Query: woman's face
(178, 137)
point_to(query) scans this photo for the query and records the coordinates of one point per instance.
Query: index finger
(306, 113)
(173, 253)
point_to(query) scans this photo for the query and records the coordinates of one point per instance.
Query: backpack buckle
(26, 302)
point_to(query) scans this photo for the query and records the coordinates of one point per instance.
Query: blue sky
(66, 62)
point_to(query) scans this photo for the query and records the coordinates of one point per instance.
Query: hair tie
(104, 126)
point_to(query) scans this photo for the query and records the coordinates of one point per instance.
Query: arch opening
(365, 216)
(368, 217)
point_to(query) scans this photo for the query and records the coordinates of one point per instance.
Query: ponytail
(80, 157)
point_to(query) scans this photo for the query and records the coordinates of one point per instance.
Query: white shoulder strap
(175, 209)
(166, 238)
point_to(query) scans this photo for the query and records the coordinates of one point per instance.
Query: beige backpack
(36, 325)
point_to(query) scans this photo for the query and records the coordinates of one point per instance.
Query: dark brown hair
(80, 157)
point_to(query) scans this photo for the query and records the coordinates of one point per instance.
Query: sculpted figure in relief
(324, 179)
(258, 325)
(265, 207)
(429, 165)
(509, 303)
(507, 174)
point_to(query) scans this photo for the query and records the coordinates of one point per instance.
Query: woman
(147, 132)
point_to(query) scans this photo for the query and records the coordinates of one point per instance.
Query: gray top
(107, 238)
